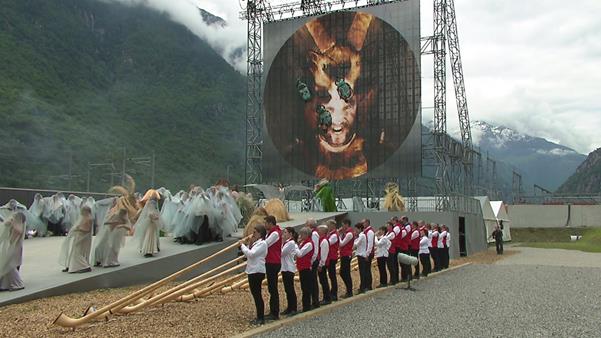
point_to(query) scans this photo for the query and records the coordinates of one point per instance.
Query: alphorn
(209, 290)
(180, 289)
(66, 321)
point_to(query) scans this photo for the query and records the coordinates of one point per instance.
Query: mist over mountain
(81, 79)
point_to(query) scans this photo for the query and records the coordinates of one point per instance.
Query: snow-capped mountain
(540, 161)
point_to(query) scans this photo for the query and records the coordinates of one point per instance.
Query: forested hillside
(81, 79)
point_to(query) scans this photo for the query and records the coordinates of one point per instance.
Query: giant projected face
(337, 95)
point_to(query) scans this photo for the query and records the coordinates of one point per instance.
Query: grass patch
(590, 242)
(525, 235)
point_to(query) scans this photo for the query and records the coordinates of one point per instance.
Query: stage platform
(42, 274)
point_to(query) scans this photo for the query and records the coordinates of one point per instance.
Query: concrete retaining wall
(554, 216)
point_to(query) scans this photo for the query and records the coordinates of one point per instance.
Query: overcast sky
(532, 65)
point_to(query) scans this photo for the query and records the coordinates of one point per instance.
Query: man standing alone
(498, 237)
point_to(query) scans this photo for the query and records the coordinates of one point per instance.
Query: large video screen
(342, 95)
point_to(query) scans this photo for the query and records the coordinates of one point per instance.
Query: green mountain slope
(587, 178)
(81, 79)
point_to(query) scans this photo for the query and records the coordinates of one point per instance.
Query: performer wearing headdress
(146, 229)
(323, 191)
(12, 234)
(75, 251)
(393, 201)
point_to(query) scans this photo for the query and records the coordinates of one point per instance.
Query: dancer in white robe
(12, 234)
(72, 207)
(54, 213)
(75, 251)
(111, 238)
(146, 229)
(10, 208)
(35, 220)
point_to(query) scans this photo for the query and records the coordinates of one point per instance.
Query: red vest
(347, 249)
(404, 242)
(373, 246)
(435, 239)
(415, 242)
(304, 263)
(321, 240)
(333, 253)
(444, 242)
(274, 252)
(396, 242)
(392, 248)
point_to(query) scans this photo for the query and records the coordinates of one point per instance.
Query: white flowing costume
(36, 221)
(12, 234)
(111, 238)
(146, 229)
(75, 251)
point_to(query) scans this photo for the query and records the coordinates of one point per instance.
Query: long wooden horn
(207, 291)
(194, 283)
(66, 321)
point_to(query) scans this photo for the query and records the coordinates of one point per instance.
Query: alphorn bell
(66, 321)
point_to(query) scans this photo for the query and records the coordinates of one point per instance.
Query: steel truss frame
(453, 162)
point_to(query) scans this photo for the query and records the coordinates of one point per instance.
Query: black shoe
(65, 270)
(314, 306)
(257, 322)
(369, 288)
(381, 286)
(289, 313)
(148, 255)
(271, 316)
(403, 281)
(348, 295)
(325, 302)
(334, 298)
(361, 291)
(98, 264)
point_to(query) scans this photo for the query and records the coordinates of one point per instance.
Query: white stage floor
(42, 274)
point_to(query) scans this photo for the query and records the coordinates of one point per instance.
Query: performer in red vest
(273, 264)
(346, 238)
(324, 261)
(434, 253)
(446, 241)
(404, 248)
(370, 236)
(333, 241)
(414, 246)
(311, 224)
(303, 264)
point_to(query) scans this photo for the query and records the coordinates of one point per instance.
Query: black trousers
(415, 253)
(325, 285)
(288, 279)
(499, 245)
(363, 267)
(369, 282)
(445, 259)
(405, 269)
(306, 282)
(345, 274)
(314, 281)
(254, 282)
(333, 279)
(272, 285)
(393, 267)
(382, 269)
(434, 255)
(425, 260)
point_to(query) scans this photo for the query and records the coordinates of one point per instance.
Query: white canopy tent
(490, 219)
(500, 210)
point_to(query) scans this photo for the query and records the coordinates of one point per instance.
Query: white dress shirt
(333, 238)
(448, 235)
(382, 246)
(360, 245)
(255, 256)
(304, 250)
(347, 238)
(324, 246)
(414, 234)
(315, 240)
(391, 235)
(429, 239)
(423, 245)
(440, 237)
(289, 251)
(272, 238)
(370, 241)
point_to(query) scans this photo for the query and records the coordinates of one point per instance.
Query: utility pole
(152, 170)
(123, 166)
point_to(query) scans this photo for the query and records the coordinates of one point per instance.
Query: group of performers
(314, 252)
(195, 216)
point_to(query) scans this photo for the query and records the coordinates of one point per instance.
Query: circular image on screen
(341, 95)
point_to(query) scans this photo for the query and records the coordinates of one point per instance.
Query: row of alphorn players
(314, 252)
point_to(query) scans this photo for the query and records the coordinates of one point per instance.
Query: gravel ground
(474, 301)
(214, 316)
